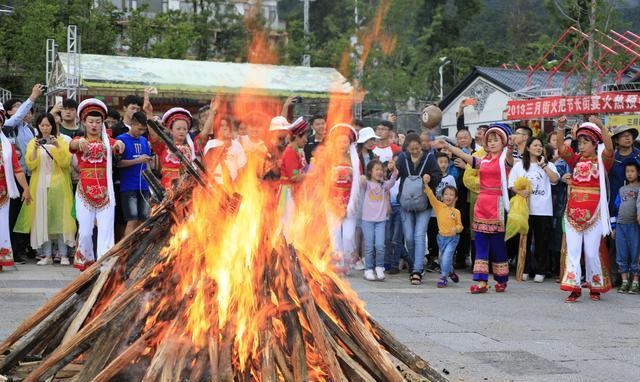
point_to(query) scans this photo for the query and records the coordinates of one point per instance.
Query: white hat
(365, 134)
(175, 113)
(89, 105)
(279, 123)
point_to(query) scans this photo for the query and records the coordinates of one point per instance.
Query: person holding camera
(49, 217)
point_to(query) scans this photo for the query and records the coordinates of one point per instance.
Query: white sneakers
(64, 260)
(370, 275)
(359, 265)
(45, 261)
(538, 279)
(525, 277)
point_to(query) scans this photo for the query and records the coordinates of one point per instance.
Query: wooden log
(213, 352)
(113, 335)
(49, 324)
(225, 369)
(81, 341)
(198, 369)
(91, 300)
(296, 342)
(281, 362)
(354, 371)
(162, 351)
(362, 357)
(367, 342)
(404, 354)
(125, 358)
(408, 374)
(522, 256)
(318, 330)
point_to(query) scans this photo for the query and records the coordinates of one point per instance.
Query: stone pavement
(525, 334)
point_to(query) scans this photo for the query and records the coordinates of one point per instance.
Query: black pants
(541, 234)
(432, 238)
(20, 242)
(462, 251)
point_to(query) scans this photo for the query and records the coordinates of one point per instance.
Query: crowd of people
(72, 184)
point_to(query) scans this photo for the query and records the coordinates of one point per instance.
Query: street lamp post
(444, 62)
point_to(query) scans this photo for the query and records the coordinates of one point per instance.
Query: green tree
(96, 21)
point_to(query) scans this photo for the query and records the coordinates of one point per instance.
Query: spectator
(19, 134)
(489, 212)
(49, 217)
(447, 180)
(449, 228)
(374, 216)
(366, 142)
(95, 199)
(318, 126)
(70, 127)
(416, 169)
(134, 190)
(276, 143)
(465, 142)
(233, 153)
(204, 113)
(344, 195)
(358, 125)
(542, 175)
(623, 138)
(385, 148)
(587, 215)
(394, 243)
(627, 231)
(401, 138)
(10, 171)
(520, 137)
(130, 105)
(113, 117)
(178, 121)
(559, 197)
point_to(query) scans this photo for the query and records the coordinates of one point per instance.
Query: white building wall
(492, 101)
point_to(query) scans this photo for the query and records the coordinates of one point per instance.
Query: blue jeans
(135, 205)
(627, 247)
(447, 245)
(373, 233)
(394, 239)
(414, 225)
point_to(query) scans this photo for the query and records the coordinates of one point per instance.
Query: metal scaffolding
(64, 80)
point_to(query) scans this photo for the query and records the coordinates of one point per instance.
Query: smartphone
(59, 100)
(153, 90)
(470, 101)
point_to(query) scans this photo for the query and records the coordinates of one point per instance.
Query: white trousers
(89, 217)
(6, 253)
(589, 242)
(343, 241)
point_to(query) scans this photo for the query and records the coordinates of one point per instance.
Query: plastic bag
(518, 217)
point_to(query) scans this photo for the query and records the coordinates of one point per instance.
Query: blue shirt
(20, 133)
(131, 177)
(617, 178)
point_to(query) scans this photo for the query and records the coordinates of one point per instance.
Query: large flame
(232, 269)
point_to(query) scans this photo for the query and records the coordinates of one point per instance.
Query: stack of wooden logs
(97, 327)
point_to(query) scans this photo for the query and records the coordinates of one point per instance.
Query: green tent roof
(195, 78)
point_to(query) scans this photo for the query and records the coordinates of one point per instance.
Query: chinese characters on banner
(602, 103)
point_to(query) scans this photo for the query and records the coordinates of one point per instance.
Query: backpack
(412, 197)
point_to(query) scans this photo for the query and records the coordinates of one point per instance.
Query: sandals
(477, 289)
(573, 297)
(442, 282)
(501, 287)
(594, 296)
(454, 277)
(415, 278)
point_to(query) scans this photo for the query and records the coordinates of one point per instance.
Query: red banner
(602, 103)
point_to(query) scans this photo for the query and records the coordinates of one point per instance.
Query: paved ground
(526, 334)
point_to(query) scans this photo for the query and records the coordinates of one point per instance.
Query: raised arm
(203, 136)
(606, 137)
(441, 143)
(562, 122)
(17, 118)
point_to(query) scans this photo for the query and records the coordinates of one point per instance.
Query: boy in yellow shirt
(449, 228)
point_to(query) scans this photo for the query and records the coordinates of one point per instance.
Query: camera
(44, 88)
(297, 99)
(44, 141)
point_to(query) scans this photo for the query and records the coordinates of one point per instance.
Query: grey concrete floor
(525, 334)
